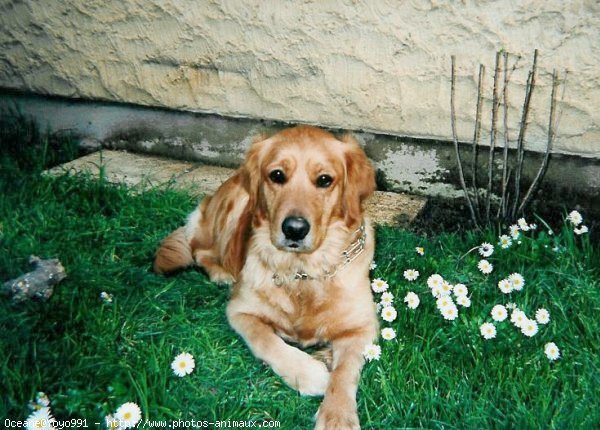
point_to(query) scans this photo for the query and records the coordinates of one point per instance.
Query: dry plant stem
(493, 135)
(476, 136)
(461, 258)
(455, 140)
(562, 98)
(522, 127)
(502, 207)
(551, 133)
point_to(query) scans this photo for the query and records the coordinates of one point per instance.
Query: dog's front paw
(222, 278)
(309, 376)
(337, 413)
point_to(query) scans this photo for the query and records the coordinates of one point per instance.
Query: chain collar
(348, 256)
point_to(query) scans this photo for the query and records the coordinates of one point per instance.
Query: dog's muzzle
(295, 229)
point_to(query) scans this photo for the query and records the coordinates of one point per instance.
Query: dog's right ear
(250, 170)
(249, 176)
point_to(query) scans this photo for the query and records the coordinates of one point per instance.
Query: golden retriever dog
(288, 231)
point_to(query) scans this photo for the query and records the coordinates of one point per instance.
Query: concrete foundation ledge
(415, 166)
(144, 171)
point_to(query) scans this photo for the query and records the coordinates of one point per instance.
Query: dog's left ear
(359, 182)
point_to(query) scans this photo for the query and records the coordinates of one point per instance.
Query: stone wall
(380, 65)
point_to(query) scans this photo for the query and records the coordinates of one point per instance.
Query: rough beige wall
(382, 65)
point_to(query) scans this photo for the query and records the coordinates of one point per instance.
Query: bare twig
(522, 128)
(511, 203)
(514, 67)
(551, 133)
(476, 135)
(502, 207)
(493, 135)
(455, 139)
(562, 81)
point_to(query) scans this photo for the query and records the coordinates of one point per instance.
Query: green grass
(91, 357)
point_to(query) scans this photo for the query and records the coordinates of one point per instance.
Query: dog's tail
(325, 355)
(174, 253)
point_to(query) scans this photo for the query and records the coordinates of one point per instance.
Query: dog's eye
(324, 181)
(277, 176)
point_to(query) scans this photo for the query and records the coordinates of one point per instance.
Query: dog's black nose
(295, 228)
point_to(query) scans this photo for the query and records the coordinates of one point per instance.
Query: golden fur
(237, 237)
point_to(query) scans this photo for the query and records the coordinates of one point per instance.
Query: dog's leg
(338, 410)
(174, 253)
(297, 368)
(216, 272)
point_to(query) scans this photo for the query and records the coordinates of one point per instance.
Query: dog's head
(303, 179)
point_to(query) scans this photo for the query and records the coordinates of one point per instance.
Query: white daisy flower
(523, 224)
(533, 226)
(518, 317)
(411, 274)
(387, 299)
(505, 286)
(542, 316)
(40, 419)
(128, 415)
(517, 281)
(460, 290)
(111, 422)
(435, 280)
(486, 249)
(437, 291)
(372, 352)
(499, 313)
(106, 297)
(575, 218)
(379, 285)
(388, 313)
(373, 266)
(183, 364)
(464, 301)
(420, 250)
(412, 300)
(552, 351)
(488, 330)
(514, 231)
(388, 333)
(444, 302)
(446, 288)
(529, 328)
(505, 241)
(485, 267)
(580, 230)
(42, 400)
(450, 313)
